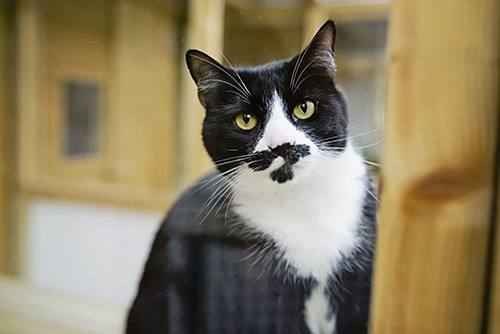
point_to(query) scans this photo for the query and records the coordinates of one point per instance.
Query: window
(82, 119)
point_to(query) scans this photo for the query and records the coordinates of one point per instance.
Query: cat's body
(280, 240)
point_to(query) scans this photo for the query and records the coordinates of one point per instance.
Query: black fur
(199, 277)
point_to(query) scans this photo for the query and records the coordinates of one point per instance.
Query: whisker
(301, 73)
(375, 197)
(369, 145)
(236, 72)
(238, 92)
(223, 70)
(299, 62)
(339, 138)
(217, 179)
(371, 163)
(207, 207)
(302, 81)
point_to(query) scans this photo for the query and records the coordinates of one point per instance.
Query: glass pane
(82, 110)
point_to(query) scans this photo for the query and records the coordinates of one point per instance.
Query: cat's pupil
(303, 107)
(246, 118)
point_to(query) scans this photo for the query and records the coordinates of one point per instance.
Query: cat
(280, 239)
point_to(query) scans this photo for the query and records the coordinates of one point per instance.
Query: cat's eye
(246, 121)
(304, 109)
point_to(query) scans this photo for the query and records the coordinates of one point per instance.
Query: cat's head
(278, 119)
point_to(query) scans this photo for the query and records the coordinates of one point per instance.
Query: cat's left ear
(320, 51)
(205, 71)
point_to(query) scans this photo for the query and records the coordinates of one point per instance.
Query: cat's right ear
(205, 71)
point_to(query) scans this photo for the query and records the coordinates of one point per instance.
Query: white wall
(88, 250)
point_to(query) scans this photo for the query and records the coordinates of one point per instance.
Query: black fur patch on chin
(282, 174)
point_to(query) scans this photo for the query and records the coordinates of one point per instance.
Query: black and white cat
(285, 243)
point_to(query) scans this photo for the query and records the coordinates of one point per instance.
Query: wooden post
(439, 165)
(205, 31)
(29, 99)
(493, 317)
(7, 155)
(142, 117)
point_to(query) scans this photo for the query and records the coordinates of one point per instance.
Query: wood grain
(439, 164)
(143, 97)
(493, 316)
(204, 31)
(6, 134)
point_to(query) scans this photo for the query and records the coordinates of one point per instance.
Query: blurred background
(100, 132)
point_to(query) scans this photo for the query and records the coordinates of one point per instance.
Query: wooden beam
(204, 31)
(7, 118)
(143, 90)
(440, 142)
(29, 96)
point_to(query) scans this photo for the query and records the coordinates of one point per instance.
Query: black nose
(282, 150)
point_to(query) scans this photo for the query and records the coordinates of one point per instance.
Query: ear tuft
(321, 49)
(205, 71)
(203, 67)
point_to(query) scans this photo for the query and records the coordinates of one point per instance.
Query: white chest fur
(313, 220)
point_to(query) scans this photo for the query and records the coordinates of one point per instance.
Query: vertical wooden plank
(6, 133)
(28, 104)
(29, 41)
(492, 292)
(204, 31)
(143, 95)
(440, 140)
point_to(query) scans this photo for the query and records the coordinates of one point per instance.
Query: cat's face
(277, 120)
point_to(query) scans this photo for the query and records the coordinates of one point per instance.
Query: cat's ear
(320, 51)
(205, 71)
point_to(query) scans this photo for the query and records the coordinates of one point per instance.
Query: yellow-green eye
(246, 121)
(304, 109)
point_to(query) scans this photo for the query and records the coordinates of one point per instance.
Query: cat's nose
(282, 150)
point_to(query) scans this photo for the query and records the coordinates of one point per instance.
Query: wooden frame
(7, 156)
(439, 166)
(42, 169)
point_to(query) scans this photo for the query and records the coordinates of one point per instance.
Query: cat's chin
(283, 173)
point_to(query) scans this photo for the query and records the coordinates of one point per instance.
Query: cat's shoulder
(201, 209)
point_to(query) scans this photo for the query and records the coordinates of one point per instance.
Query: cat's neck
(313, 221)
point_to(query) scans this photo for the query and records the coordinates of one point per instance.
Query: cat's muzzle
(291, 154)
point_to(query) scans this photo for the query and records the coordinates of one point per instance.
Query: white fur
(317, 312)
(279, 130)
(313, 218)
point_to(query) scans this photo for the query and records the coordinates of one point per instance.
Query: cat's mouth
(291, 154)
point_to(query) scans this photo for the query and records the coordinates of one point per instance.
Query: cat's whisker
(236, 72)
(216, 196)
(300, 75)
(369, 145)
(244, 180)
(237, 92)
(301, 57)
(299, 60)
(236, 158)
(216, 180)
(219, 67)
(372, 163)
(243, 98)
(223, 193)
(341, 138)
(373, 195)
(221, 162)
(302, 81)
